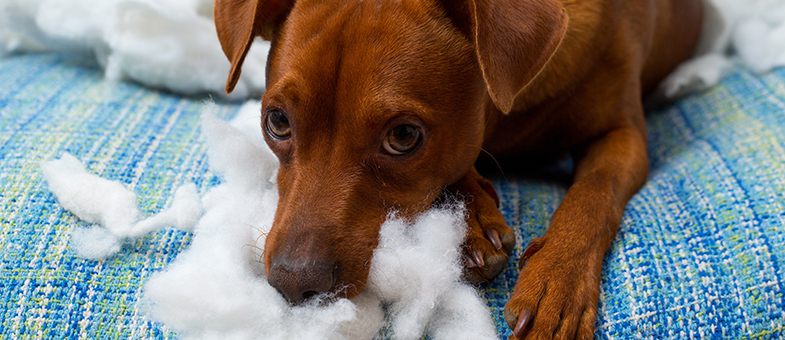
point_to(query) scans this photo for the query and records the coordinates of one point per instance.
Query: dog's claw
(489, 241)
(493, 236)
(510, 318)
(533, 246)
(523, 321)
(475, 259)
(469, 262)
(478, 258)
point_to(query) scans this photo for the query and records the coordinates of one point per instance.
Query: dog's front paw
(489, 241)
(556, 293)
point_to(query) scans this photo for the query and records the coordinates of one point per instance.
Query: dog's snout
(300, 279)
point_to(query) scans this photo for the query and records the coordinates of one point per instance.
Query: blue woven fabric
(699, 253)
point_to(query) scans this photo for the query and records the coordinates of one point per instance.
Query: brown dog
(380, 105)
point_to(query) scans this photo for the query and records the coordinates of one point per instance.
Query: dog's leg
(489, 241)
(558, 289)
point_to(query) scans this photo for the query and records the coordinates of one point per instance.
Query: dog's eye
(401, 139)
(277, 124)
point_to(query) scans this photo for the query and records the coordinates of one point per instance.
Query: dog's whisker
(400, 263)
(379, 289)
(498, 165)
(256, 241)
(253, 246)
(257, 251)
(254, 249)
(261, 232)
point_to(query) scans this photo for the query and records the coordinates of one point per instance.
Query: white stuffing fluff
(112, 206)
(416, 268)
(747, 32)
(89, 197)
(169, 44)
(217, 289)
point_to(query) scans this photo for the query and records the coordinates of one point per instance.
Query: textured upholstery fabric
(699, 253)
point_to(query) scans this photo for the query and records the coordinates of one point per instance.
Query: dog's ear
(514, 39)
(238, 22)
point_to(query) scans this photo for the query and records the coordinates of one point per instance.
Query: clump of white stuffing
(417, 269)
(112, 207)
(170, 44)
(735, 32)
(217, 289)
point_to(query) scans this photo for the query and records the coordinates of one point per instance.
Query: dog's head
(374, 106)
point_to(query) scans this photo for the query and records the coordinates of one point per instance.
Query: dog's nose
(301, 279)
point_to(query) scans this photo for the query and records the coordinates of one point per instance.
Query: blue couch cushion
(699, 252)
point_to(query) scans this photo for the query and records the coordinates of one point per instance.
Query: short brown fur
(521, 79)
